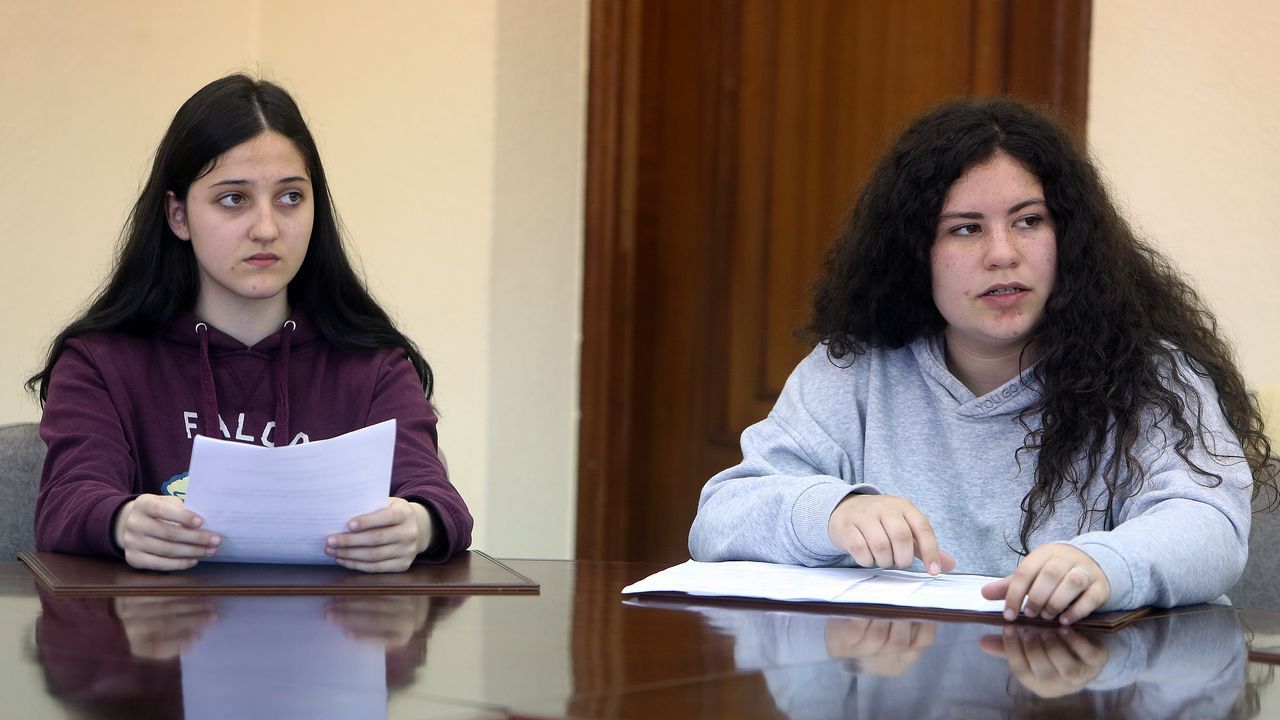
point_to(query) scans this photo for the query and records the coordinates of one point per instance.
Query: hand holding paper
(385, 540)
(157, 532)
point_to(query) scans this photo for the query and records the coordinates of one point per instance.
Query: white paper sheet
(277, 505)
(836, 585)
(754, 579)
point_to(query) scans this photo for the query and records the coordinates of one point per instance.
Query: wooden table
(581, 650)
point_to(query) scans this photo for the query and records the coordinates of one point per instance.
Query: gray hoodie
(898, 422)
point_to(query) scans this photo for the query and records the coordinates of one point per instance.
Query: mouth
(1004, 290)
(262, 259)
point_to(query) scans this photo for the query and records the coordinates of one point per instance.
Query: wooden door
(726, 141)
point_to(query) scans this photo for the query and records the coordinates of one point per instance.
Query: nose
(265, 228)
(1001, 250)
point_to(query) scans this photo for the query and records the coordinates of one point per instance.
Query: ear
(176, 212)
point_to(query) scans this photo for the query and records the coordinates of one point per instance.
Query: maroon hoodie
(122, 413)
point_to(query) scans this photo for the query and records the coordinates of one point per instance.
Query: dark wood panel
(608, 307)
(1048, 56)
(742, 389)
(679, 188)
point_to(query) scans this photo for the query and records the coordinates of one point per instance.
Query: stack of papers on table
(835, 585)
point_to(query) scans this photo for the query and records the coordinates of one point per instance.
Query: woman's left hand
(1057, 580)
(385, 540)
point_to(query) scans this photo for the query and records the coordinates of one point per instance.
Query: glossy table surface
(580, 649)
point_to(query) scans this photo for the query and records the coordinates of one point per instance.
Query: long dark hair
(1119, 324)
(155, 277)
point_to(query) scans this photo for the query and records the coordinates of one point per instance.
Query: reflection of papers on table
(836, 585)
(280, 658)
(277, 505)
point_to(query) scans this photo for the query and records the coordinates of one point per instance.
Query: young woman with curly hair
(1004, 370)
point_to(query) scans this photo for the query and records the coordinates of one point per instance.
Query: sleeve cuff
(101, 524)
(451, 538)
(1117, 572)
(811, 514)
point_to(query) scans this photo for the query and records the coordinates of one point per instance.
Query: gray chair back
(21, 458)
(1259, 586)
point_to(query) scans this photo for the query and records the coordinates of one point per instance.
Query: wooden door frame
(608, 308)
(607, 394)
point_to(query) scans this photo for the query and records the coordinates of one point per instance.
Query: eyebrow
(282, 181)
(971, 215)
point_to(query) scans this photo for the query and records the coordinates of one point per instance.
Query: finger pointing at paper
(888, 532)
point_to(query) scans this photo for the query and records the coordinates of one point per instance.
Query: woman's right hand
(886, 531)
(157, 533)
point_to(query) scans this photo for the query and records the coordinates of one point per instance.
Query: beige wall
(1184, 117)
(537, 278)
(418, 107)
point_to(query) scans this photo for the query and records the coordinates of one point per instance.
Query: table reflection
(1189, 664)
(196, 657)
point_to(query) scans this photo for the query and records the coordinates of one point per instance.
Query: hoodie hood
(1010, 398)
(183, 332)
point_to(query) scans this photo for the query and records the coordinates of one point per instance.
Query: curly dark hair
(1119, 324)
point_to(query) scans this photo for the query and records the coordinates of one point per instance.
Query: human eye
(231, 200)
(1029, 221)
(292, 197)
(966, 230)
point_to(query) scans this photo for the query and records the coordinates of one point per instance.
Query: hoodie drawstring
(209, 395)
(282, 384)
